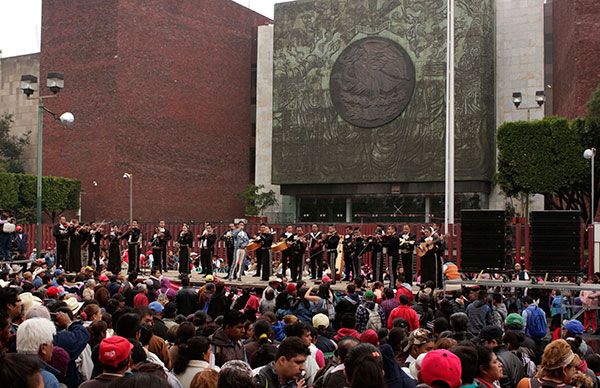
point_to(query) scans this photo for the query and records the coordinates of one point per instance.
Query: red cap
(441, 365)
(103, 278)
(114, 350)
(370, 336)
(326, 279)
(52, 292)
(19, 228)
(291, 287)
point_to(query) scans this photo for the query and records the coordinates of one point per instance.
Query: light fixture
(55, 82)
(95, 183)
(517, 99)
(540, 97)
(29, 84)
(127, 176)
(67, 119)
(589, 153)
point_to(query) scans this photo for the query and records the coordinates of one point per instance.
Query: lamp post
(590, 154)
(94, 185)
(129, 176)
(29, 84)
(449, 168)
(517, 99)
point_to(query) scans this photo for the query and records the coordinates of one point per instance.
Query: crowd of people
(96, 328)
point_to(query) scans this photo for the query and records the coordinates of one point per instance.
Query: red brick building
(576, 48)
(161, 89)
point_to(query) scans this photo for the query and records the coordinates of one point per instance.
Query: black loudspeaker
(483, 240)
(555, 241)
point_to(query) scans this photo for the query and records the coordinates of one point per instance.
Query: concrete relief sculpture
(359, 91)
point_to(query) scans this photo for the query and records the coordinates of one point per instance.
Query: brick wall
(160, 89)
(576, 35)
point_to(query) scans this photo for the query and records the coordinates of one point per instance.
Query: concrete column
(348, 209)
(427, 209)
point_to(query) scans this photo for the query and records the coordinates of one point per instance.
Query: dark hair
(324, 291)
(97, 331)
(145, 335)
(593, 362)
(200, 318)
(395, 338)
(514, 339)
(344, 346)
(348, 321)
(262, 326)
(403, 299)
(139, 379)
(497, 298)
(128, 325)
(143, 311)
(193, 349)
(459, 322)
(19, 370)
(440, 325)
(112, 305)
(185, 331)
(232, 318)
(123, 365)
(296, 329)
(364, 366)
(388, 292)
(528, 300)
(481, 294)
(234, 378)
(138, 354)
(8, 296)
(468, 360)
(170, 310)
(350, 288)
(185, 281)
(484, 358)
(292, 347)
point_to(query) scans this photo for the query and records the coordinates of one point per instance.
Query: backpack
(537, 327)
(374, 321)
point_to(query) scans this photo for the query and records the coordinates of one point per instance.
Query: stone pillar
(348, 209)
(427, 209)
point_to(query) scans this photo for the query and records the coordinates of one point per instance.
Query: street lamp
(130, 177)
(590, 154)
(94, 185)
(29, 84)
(540, 99)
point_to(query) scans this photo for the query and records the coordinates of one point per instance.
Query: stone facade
(519, 68)
(12, 100)
(160, 89)
(576, 35)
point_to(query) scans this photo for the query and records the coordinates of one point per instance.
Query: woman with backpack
(323, 302)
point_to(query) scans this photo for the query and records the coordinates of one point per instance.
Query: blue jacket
(73, 340)
(394, 375)
(240, 240)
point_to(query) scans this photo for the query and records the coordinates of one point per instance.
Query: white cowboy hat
(15, 268)
(73, 304)
(29, 300)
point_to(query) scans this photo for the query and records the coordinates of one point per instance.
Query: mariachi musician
(298, 249)
(76, 239)
(156, 248)
(348, 247)
(207, 241)
(391, 244)
(407, 249)
(359, 248)
(60, 232)
(331, 241)
(227, 238)
(376, 247)
(134, 243)
(114, 251)
(94, 238)
(315, 250)
(430, 250)
(286, 254)
(164, 236)
(185, 241)
(263, 254)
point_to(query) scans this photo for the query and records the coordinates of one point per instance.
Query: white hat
(415, 366)
(320, 320)
(29, 300)
(15, 268)
(73, 304)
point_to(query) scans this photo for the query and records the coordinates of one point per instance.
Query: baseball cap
(441, 365)
(209, 278)
(370, 336)
(320, 320)
(326, 279)
(418, 337)
(369, 295)
(103, 278)
(156, 307)
(53, 292)
(291, 287)
(574, 326)
(515, 321)
(113, 350)
(58, 272)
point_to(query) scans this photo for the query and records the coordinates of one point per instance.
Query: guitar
(425, 247)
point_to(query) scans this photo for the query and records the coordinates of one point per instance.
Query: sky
(20, 22)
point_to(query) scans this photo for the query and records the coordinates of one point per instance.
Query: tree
(593, 105)
(11, 146)
(544, 157)
(19, 192)
(255, 200)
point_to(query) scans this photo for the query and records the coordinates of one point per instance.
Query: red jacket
(404, 312)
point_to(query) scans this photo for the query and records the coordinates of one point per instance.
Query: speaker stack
(483, 241)
(555, 241)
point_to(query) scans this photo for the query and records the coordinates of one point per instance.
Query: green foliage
(255, 200)
(542, 156)
(19, 194)
(593, 105)
(11, 147)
